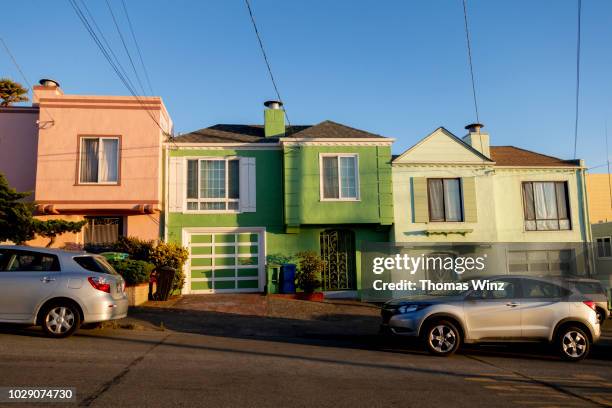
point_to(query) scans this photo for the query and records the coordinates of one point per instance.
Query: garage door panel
(201, 285)
(247, 284)
(201, 238)
(201, 262)
(201, 274)
(248, 272)
(201, 250)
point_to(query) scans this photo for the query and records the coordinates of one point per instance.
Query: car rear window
(589, 288)
(541, 289)
(27, 261)
(95, 264)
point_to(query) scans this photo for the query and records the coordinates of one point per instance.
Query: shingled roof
(514, 156)
(224, 133)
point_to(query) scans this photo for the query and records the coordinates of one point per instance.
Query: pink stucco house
(98, 158)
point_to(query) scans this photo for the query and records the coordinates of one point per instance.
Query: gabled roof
(473, 155)
(510, 156)
(227, 133)
(515, 156)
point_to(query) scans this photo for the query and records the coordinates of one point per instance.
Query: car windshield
(95, 264)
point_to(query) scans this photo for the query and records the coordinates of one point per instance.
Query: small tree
(12, 92)
(309, 273)
(15, 214)
(52, 228)
(17, 223)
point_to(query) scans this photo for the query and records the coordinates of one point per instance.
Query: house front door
(338, 252)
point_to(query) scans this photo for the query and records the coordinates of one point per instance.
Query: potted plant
(136, 275)
(308, 276)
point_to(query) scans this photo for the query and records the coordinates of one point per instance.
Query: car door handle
(47, 279)
(512, 304)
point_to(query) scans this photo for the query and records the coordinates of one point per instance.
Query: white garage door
(225, 260)
(542, 262)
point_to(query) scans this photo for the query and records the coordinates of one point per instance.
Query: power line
(577, 78)
(265, 57)
(144, 67)
(106, 55)
(127, 51)
(25, 79)
(469, 50)
(108, 46)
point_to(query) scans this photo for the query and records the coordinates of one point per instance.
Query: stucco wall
(18, 140)
(140, 152)
(600, 201)
(405, 230)
(303, 204)
(499, 205)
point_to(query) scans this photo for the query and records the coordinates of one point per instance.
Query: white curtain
(89, 161)
(109, 149)
(347, 177)
(330, 177)
(452, 200)
(436, 203)
(545, 201)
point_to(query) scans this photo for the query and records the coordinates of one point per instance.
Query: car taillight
(99, 283)
(590, 304)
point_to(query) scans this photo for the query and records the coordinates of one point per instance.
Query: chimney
(478, 139)
(274, 119)
(48, 88)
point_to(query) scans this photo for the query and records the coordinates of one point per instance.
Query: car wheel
(442, 338)
(60, 320)
(574, 344)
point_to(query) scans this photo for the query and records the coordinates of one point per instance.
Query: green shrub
(160, 254)
(174, 256)
(137, 248)
(309, 272)
(133, 271)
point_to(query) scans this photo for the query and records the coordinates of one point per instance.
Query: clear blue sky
(397, 68)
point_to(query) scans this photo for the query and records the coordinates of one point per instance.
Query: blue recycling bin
(287, 278)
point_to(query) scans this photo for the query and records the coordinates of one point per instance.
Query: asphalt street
(163, 368)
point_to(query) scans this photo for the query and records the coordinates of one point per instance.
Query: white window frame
(99, 138)
(199, 200)
(597, 247)
(357, 183)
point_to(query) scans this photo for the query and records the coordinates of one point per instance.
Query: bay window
(213, 184)
(99, 160)
(545, 206)
(339, 177)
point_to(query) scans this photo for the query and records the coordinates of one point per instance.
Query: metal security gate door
(338, 252)
(225, 261)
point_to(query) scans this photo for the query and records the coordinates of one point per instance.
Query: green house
(240, 196)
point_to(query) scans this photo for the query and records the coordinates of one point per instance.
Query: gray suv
(58, 290)
(526, 309)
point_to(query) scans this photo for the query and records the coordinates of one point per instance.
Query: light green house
(529, 207)
(241, 194)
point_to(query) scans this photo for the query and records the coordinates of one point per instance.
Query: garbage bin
(164, 279)
(272, 278)
(115, 256)
(287, 280)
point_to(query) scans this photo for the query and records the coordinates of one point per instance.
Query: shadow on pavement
(327, 330)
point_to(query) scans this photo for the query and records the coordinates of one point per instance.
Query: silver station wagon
(526, 309)
(58, 290)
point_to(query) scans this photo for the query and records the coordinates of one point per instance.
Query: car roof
(52, 251)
